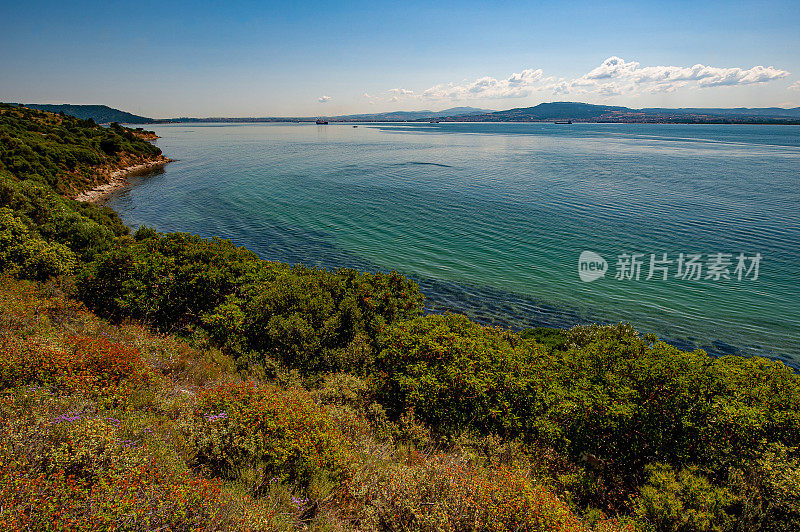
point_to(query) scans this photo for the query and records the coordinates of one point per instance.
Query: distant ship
(563, 122)
(321, 122)
(433, 121)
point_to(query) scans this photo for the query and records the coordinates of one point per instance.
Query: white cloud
(517, 85)
(395, 95)
(612, 77)
(794, 86)
(324, 99)
(617, 76)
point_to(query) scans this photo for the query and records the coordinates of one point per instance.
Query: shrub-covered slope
(65, 153)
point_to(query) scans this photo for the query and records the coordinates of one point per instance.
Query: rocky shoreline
(117, 179)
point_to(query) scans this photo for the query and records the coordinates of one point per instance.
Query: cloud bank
(613, 77)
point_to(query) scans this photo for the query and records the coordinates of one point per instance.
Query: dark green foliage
(549, 337)
(768, 490)
(27, 256)
(111, 145)
(84, 228)
(613, 401)
(168, 281)
(311, 319)
(456, 375)
(685, 501)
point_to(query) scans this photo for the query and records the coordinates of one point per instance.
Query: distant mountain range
(584, 112)
(102, 114)
(414, 115)
(544, 112)
(394, 116)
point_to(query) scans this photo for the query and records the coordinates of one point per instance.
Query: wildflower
(299, 502)
(215, 417)
(66, 417)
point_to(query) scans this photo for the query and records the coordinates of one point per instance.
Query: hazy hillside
(751, 112)
(415, 115)
(102, 114)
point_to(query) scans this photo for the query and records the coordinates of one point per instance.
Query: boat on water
(433, 121)
(562, 121)
(321, 122)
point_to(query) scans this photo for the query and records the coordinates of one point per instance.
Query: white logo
(591, 266)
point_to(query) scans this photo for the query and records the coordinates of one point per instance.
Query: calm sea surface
(491, 219)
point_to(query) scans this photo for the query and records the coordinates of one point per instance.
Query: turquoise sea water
(491, 218)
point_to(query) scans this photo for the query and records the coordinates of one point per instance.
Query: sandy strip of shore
(118, 179)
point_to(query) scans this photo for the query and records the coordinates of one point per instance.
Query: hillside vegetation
(64, 153)
(157, 381)
(102, 114)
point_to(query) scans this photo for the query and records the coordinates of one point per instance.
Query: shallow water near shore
(491, 219)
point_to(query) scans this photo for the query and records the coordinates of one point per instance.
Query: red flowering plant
(102, 370)
(265, 435)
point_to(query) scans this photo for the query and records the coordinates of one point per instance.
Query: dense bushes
(167, 281)
(312, 319)
(86, 230)
(308, 318)
(684, 501)
(612, 400)
(456, 375)
(26, 255)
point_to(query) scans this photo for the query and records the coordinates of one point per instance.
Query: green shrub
(455, 375)
(23, 254)
(611, 401)
(310, 319)
(84, 228)
(684, 502)
(769, 491)
(549, 337)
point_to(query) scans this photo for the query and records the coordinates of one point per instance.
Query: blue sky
(313, 58)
